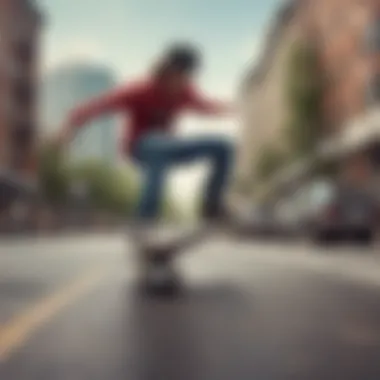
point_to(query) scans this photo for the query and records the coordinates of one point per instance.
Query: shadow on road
(185, 338)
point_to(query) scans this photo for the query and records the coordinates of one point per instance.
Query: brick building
(346, 34)
(20, 23)
(264, 102)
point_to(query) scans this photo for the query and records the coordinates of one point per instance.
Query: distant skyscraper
(66, 87)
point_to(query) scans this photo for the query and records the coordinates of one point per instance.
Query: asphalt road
(70, 310)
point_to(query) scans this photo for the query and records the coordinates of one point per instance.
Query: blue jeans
(156, 154)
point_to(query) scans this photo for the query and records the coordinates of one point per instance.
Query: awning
(291, 175)
(358, 134)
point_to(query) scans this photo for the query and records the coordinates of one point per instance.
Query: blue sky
(127, 35)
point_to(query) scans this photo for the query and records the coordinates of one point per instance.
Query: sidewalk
(345, 262)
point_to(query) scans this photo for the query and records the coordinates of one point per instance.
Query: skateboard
(156, 250)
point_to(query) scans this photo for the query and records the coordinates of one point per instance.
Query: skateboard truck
(156, 258)
(159, 277)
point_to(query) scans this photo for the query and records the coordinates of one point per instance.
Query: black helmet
(184, 57)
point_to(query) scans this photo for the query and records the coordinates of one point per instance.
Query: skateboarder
(152, 105)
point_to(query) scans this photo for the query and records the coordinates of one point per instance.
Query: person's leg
(220, 153)
(149, 205)
(156, 153)
(152, 163)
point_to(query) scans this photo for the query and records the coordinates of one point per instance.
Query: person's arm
(105, 104)
(206, 106)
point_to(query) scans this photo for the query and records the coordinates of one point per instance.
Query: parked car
(288, 217)
(261, 221)
(337, 212)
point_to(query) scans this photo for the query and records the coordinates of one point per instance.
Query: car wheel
(319, 237)
(326, 237)
(365, 236)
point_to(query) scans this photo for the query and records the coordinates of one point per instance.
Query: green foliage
(303, 91)
(270, 161)
(302, 136)
(53, 173)
(328, 168)
(108, 188)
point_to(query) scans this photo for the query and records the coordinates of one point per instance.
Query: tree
(107, 188)
(114, 189)
(53, 173)
(270, 161)
(303, 90)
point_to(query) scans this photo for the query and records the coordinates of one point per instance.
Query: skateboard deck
(156, 249)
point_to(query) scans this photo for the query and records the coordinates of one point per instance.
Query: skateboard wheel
(160, 278)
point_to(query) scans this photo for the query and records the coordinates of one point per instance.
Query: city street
(70, 310)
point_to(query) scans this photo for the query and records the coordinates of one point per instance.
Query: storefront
(358, 146)
(356, 149)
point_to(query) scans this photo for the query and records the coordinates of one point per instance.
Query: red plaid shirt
(148, 106)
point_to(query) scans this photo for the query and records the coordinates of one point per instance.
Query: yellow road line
(15, 333)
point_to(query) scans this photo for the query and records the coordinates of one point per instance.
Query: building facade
(347, 34)
(264, 99)
(66, 87)
(346, 37)
(20, 25)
